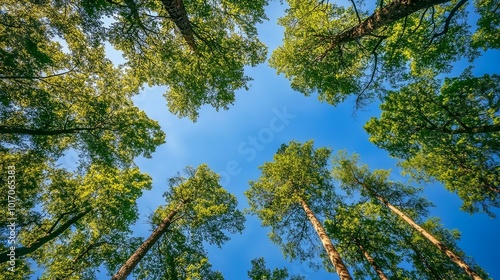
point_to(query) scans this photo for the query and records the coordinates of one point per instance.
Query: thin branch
(37, 77)
(356, 10)
(448, 20)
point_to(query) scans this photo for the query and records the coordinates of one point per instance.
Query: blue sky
(235, 142)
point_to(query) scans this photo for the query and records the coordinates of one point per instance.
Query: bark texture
(373, 263)
(327, 243)
(136, 257)
(179, 16)
(453, 257)
(40, 132)
(388, 14)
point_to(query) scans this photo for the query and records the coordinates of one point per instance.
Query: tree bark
(373, 263)
(136, 257)
(453, 257)
(327, 243)
(388, 14)
(179, 16)
(22, 251)
(40, 132)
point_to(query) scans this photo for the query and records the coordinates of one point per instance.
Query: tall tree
(451, 133)
(297, 182)
(197, 49)
(377, 187)
(176, 255)
(366, 240)
(65, 94)
(79, 219)
(427, 260)
(197, 204)
(351, 51)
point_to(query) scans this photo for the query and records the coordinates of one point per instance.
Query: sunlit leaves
(298, 172)
(373, 225)
(80, 219)
(450, 134)
(226, 40)
(198, 210)
(317, 57)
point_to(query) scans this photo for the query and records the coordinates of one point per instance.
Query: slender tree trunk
(373, 263)
(422, 259)
(327, 243)
(179, 16)
(39, 132)
(22, 251)
(136, 257)
(453, 257)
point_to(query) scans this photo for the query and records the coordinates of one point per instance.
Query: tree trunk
(422, 259)
(22, 251)
(453, 257)
(479, 129)
(388, 14)
(40, 132)
(372, 262)
(327, 243)
(178, 14)
(136, 257)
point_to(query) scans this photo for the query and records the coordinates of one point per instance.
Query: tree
(350, 52)
(197, 204)
(176, 255)
(259, 271)
(297, 182)
(78, 219)
(451, 134)
(366, 239)
(377, 187)
(197, 49)
(427, 259)
(65, 94)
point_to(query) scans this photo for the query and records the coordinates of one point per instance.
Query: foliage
(298, 172)
(487, 35)
(77, 220)
(362, 227)
(451, 134)
(259, 271)
(381, 231)
(156, 50)
(197, 210)
(177, 255)
(60, 92)
(33, 34)
(208, 210)
(320, 54)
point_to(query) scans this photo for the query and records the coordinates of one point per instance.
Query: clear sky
(235, 142)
